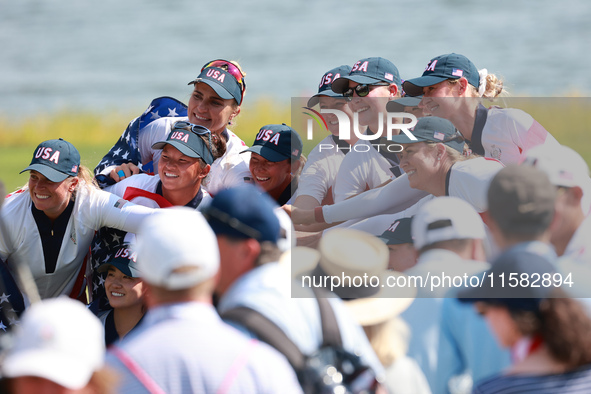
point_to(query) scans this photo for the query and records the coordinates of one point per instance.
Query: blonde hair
(492, 89)
(453, 155)
(86, 180)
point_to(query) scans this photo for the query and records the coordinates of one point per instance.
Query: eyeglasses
(232, 69)
(362, 90)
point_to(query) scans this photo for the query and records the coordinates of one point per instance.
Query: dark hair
(564, 327)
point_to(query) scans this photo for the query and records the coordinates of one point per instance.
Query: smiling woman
(434, 165)
(52, 220)
(125, 292)
(216, 99)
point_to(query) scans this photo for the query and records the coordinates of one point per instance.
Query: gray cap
(521, 200)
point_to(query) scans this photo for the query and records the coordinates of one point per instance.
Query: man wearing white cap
(448, 235)
(571, 230)
(58, 348)
(183, 346)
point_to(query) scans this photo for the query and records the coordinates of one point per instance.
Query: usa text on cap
(186, 138)
(368, 71)
(325, 87)
(56, 160)
(225, 78)
(277, 142)
(441, 68)
(125, 260)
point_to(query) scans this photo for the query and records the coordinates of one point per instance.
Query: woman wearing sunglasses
(452, 88)
(186, 157)
(218, 93)
(434, 164)
(371, 83)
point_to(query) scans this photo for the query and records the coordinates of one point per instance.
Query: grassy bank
(568, 119)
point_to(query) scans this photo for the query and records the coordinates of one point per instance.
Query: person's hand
(123, 171)
(302, 216)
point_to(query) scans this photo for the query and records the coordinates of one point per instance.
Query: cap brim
(218, 88)
(327, 93)
(267, 153)
(65, 371)
(184, 149)
(414, 87)
(48, 172)
(404, 139)
(401, 103)
(123, 267)
(396, 241)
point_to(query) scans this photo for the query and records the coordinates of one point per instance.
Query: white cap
(176, 249)
(444, 219)
(564, 166)
(60, 340)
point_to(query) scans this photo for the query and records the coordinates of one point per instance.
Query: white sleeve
(376, 225)
(351, 178)
(394, 197)
(314, 180)
(108, 210)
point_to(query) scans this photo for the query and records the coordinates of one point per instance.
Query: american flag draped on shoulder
(126, 149)
(11, 300)
(107, 241)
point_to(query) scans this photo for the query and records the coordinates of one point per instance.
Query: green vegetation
(568, 119)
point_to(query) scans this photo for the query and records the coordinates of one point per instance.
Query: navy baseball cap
(243, 212)
(55, 160)
(368, 71)
(398, 233)
(224, 83)
(400, 104)
(433, 129)
(124, 260)
(185, 137)
(513, 263)
(442, 68)
(277, 142)
(324, 89)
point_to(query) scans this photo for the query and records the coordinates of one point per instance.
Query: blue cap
(400, 104)
(433, 129)
(243, 212)
(222, 82)
(325, 87)
(185, 137)
(124, 260)
(55, 160)
(442, 68)
(513, 263)
(368, 71)
(277, 142)
(398, 233)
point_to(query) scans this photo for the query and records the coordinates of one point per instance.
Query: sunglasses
(362, 90)
(197, 129)
(230, 68)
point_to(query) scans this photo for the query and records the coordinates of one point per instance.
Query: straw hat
(351, 253)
